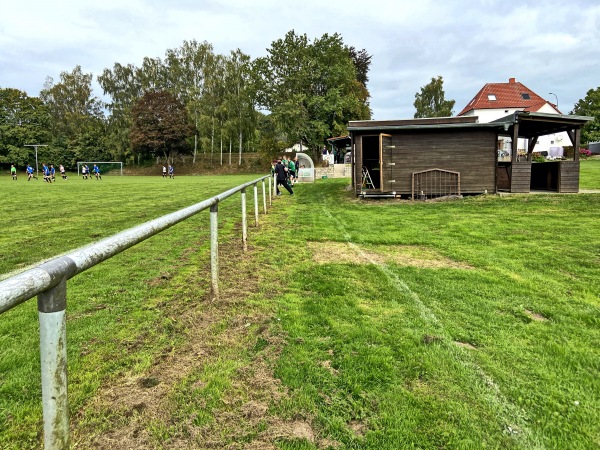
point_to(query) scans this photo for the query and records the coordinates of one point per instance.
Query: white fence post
(264, 192)
(214, 250)
(244, 224)
(270, 194)
(255, 204)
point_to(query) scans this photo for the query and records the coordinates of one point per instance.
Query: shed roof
(533, 124)
(530, 124)
(506, 95)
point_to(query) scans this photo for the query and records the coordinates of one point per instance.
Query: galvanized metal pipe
(255, 205)
(270, 194)
(244, 225)
(214, 250)
(52, 306)
(264, 192)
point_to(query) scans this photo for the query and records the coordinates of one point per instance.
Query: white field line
(513, 417)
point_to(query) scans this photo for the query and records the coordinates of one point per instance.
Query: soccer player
(84, 172)
(29, 171)
(164, 172)
(52, 173)
(96, 170)
(46, 171)
(171, 172)
(13, 172)
(62, 171)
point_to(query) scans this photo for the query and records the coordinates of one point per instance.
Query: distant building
(497, 100)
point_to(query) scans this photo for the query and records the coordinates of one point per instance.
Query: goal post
(104, 166)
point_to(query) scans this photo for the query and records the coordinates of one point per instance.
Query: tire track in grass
(514, 418)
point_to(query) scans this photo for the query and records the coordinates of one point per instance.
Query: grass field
(347, 324)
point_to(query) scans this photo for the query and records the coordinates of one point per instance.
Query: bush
(584, 153)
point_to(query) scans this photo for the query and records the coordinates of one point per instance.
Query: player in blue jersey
(96, 171)
(46, 172)
(29, 171)
(171, 171)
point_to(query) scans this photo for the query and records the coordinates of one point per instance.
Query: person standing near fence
(171, 172)
(292, 171)
(282, 174)
(13, 172)
(164, 171)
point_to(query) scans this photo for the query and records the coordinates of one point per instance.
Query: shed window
(525, 96)
(491, 97)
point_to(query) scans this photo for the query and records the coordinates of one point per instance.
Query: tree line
(193, 101)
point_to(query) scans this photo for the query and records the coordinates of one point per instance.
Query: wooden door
(386, 163)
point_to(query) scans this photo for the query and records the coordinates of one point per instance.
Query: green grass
(118, 304)
(590, 174)
(370, 359)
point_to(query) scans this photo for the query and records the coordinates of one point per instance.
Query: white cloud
(550, 46)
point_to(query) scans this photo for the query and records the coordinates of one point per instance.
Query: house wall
(544, 143)
(470, 152)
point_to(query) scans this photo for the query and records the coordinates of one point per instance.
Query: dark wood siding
(470, 152)
(520, 177)
(569, 177)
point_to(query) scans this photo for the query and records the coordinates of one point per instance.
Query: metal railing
(49, 282)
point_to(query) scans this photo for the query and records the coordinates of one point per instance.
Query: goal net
(104, 166)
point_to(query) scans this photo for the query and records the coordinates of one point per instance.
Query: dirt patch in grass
(142, 411)
(330, 252)
(465, 345)
(535, 316)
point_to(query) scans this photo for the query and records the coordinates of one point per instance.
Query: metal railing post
(52, 306)
(264, 191)
(270, 194)
(255, 204)
(214, 250)
(244, 224)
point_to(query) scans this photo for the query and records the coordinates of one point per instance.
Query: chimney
(511, 80)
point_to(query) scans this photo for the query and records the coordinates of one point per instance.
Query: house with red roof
(497, 100)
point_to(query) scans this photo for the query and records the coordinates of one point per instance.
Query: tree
(23, 120)
(71, 103)
(74, 113)
(362, 61)
(312, 89)
(190, 66)
(160, 125)
(430, 102)
(589, 106)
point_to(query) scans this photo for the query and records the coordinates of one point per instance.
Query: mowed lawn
(388, 324)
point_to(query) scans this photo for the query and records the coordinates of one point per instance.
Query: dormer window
(491, 97)
(525, 96)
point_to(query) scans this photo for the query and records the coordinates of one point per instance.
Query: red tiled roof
(507, 95)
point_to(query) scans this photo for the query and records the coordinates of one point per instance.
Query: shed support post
(244, 223)
(52, 306)
(255, 205)
(515, 143)
(214, 250)
(576, 144)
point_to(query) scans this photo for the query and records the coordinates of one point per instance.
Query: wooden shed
(423, 158)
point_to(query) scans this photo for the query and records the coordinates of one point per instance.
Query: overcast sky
(548, 45)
